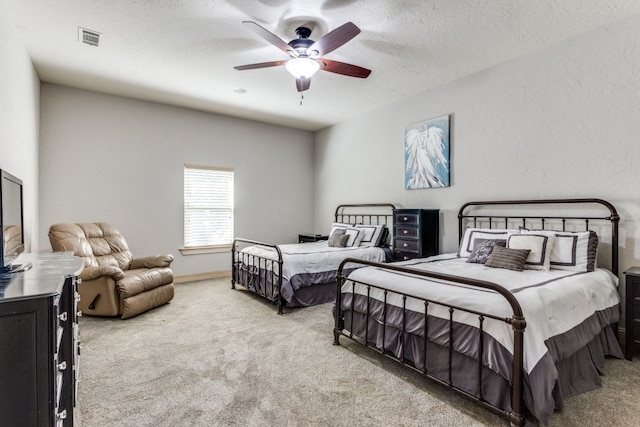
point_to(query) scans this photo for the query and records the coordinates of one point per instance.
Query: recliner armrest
(152, 261)
(91, 273)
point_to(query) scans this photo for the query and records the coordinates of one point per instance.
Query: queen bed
(304, 274)
(518, 319)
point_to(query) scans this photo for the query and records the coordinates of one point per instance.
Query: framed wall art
(426, 154)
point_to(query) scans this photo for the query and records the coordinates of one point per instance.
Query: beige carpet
(218, 357)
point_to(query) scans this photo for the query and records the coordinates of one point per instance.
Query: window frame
(212, 248)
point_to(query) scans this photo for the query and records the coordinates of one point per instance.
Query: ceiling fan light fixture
(302, 67)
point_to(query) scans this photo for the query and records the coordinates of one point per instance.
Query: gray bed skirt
(572, 365)
(303, 290)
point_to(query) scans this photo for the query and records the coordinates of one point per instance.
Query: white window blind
(208, 206)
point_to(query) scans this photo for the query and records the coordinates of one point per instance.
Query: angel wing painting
(426, 154)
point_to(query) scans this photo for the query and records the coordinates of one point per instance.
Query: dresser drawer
(635, 309)
(634, 287)
(407, 245)
(407, 218)
(406, 233)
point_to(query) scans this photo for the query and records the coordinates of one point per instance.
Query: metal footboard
(517, 322)
(257, 273)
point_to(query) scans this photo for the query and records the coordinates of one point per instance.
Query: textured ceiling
(182, 52)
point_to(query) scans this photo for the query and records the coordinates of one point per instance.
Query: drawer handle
(405, 231)
(63, 316)
(406, 258)
(406, 245)
(62, 366)
(62, 415)
(405, 218)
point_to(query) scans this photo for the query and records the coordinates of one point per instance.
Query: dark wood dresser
(416, 233)
(632, 312)
(39, 351)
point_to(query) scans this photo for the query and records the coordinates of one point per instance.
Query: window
(208, 208)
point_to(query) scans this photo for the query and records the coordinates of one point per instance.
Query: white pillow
(371, 234)
(576, 251)
(573, 250)
(540, 245)
(355, 236)
(338, 225)
(470, 234)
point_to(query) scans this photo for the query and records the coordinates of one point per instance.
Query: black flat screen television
(11, 222)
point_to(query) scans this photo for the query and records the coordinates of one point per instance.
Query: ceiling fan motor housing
(302, 43)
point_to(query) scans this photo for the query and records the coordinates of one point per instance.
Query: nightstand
(416, 233)
(632, 312)
(306, 238)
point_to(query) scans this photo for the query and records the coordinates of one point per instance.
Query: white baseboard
(202, 276)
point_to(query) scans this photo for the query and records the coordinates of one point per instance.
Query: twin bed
(516, 341)
(304, 274)
(521, 317)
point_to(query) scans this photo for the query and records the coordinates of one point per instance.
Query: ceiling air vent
(92, 38)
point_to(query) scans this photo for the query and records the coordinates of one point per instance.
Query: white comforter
(315, 257)
(553, 301)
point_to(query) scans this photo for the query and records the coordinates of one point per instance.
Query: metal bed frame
(517, 320)
(265, 280)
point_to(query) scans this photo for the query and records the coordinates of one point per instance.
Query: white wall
(118, 160)
(19, 117)
(560, 123)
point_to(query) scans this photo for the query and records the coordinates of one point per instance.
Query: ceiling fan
(306, 54)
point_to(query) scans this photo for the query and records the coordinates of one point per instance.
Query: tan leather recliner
(113, 282)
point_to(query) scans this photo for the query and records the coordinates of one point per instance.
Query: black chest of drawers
(632, 309)
(416, 233)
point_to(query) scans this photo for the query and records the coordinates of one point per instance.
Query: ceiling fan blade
(303, 84)
(260, 65)
(334, 39)
(343, 68)
(268, 36)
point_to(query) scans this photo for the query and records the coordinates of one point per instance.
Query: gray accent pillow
(482, 248)
(511, 259)
(338, 238)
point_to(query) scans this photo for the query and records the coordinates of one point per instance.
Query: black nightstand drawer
(405, 255)
(407, 232)
(406, 218)
(407, 245)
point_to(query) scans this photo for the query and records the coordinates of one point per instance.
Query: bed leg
(233, 284)
(336, 337)
(279, 305)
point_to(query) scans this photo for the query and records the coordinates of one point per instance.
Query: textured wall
(19, 116)
(113, 159)
(561, 122)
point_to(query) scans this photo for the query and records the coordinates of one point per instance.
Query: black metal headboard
(368, 213)
(501, 218)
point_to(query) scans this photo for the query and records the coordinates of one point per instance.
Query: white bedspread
(314, 257)
(553, 301)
